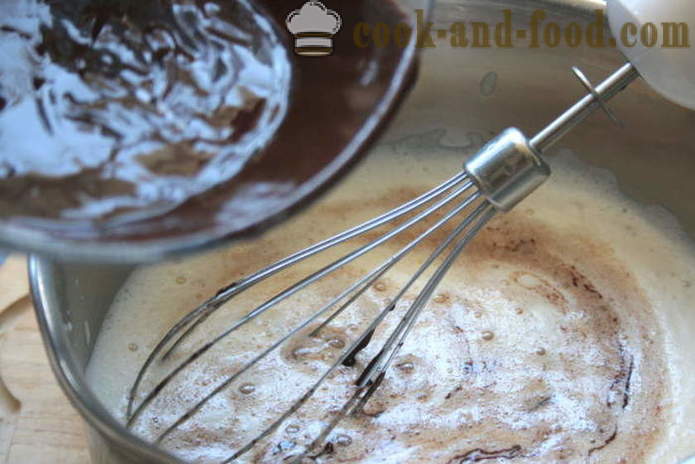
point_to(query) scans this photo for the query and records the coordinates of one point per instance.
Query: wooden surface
(37, 423)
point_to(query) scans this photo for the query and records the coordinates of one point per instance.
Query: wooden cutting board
(37, 423)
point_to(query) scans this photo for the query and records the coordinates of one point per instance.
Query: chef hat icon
(313, 26)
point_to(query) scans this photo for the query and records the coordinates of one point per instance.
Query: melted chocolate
(138, 121)
(134, 106)
(480, 454)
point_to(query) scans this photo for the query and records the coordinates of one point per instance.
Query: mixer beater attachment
(503, 173)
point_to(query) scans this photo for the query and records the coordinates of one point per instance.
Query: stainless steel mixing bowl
(471, 94)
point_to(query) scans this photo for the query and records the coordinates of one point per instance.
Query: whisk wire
(234, 289)
(485, 212)
(360, 397)
(360, 389)
(361, 285)
(275, 300)
(194, 318)
(381, 270)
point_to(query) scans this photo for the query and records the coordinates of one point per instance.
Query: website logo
(313, 26)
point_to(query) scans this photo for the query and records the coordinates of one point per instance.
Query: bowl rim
(70, 376)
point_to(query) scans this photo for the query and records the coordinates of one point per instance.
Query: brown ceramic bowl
(337, 104)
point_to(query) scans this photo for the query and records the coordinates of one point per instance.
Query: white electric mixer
(502, 174)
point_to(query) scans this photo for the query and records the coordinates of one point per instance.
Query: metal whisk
(502, 174)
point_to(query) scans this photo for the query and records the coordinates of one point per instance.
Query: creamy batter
(557, 337)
